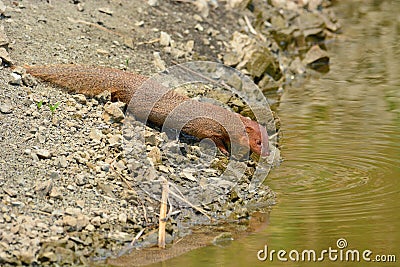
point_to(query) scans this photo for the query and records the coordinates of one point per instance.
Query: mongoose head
(257, 137)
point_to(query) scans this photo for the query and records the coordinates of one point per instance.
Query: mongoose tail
(90, 81)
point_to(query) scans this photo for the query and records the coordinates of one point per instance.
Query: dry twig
(163, 215)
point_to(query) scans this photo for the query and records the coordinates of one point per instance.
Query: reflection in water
(341, 174)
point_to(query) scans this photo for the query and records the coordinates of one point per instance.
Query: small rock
(28, 80)
(139, 23)
(96, 135)
(90, 227)
(199, 27)
(158, 62)
(296, 66)
(96, 221)
(70, 221)
(41, 138)
(316, 58)
(48, 256)
(81, 180)
(189, 46)
(177, 53)
(120, 165)
(165, 39)
(61, 162)
(102, 52)
(122, 218)
(152, 3)
(34, 157)
(105, 167)
(164, 169)
(72, 211)
(106, 189)
(5, 108)
(189, 175)
(80, 7)
(42, 18)
(43, 188)
(3, 37)
(202, 7)
(152, 138)
(81, 222)
(16, 79)
(43, 154)
(71, 187)
(56, 193)
(198, 18)
(120, 236)
(80, 98)
(115, 139)
(17, 204)
(5, 56)
(112, 112)
(56, 229)
(155, 155)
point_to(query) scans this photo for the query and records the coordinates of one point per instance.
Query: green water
(341, 145)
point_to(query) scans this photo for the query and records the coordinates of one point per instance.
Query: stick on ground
(163, 215)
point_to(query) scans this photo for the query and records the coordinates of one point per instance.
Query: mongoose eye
(258, 142)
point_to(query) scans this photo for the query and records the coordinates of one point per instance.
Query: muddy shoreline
(76, 183)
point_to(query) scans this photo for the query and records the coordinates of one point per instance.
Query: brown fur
(160, 106)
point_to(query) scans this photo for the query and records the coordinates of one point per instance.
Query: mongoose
(158, 105)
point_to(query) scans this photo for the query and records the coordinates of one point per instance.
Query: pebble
(122, 218)
(96, 221)
(16, 79)
(90, 227)
(28, 80)
(43, 188)
(81, 99)
(165, 39)
(155, 155)
(71, 187)
(7, 59)
(80, 7)
(5, 108)
(115, 139)
(158, 62)
(105, 167)
(70, 221)
(56, 193)
(96, 135)
(189, 46)
(316, 54)
(43, 154)
(153, 3)
(61, 162)
(113, 112)
(199, 27)
(120, 236)
(2, 9)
